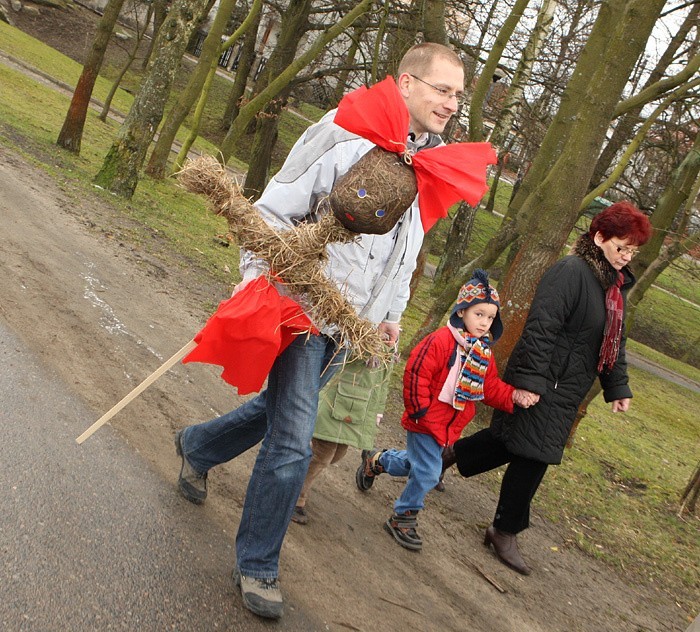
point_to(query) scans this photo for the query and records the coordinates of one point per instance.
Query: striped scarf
(474, 358)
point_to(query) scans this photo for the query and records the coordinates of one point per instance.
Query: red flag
(247, 333)
(444, 175)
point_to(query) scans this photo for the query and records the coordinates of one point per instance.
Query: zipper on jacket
(447, 428)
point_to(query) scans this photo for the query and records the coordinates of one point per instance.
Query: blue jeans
(421, 461)
(283, 417)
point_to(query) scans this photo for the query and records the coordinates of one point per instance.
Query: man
(374, 274)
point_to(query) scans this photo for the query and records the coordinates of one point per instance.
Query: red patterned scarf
(612, 336)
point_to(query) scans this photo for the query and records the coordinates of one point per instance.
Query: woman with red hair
(573, 334)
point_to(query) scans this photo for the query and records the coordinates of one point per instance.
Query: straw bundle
(296, 257)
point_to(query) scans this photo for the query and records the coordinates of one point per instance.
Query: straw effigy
(296, 256)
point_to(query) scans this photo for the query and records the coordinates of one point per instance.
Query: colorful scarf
(465, 381)
(612, 335)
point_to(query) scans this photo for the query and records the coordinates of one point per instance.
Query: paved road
(90, 538)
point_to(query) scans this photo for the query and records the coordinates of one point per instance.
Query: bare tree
(281, 81)
(131, 56)
(208, 59)
(121, 166)
(546, 205)
(71, 133)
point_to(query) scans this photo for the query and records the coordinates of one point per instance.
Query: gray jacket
(321, 155)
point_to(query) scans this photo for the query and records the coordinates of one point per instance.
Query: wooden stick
(400, 605)
(137, 391)
(490, 580)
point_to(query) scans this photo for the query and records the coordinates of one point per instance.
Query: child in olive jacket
(446, 374)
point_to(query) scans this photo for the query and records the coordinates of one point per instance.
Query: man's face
(432, 98)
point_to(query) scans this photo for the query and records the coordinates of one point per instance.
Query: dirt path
(104, 314)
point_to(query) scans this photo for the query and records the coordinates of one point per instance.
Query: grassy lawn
(617, 491)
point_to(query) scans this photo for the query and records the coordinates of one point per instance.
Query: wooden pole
(137, 391)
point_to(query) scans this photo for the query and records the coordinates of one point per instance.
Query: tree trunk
(434, 22)
(457, 243)
(281, 81)
(689, 497)
(476, 125)
(130, 60)
(514, 96)
(71, 133)
(211, 49)
(245, 64)
(342, 79)
(295, 23)
(160, 12)
(120, 170)
(399, 41)
(672, 200)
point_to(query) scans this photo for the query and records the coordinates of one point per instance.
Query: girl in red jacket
(445, 375)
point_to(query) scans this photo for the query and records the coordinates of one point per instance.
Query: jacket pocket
(351, 402)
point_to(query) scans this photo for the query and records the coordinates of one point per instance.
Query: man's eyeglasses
(625, 250)
(443, 92)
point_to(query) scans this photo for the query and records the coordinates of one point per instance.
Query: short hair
(419, 58)
(624, 221)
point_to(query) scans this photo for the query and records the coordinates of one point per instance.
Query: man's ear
(403, 83)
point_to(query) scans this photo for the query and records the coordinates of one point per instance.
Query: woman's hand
(524, 398)
(621, 405)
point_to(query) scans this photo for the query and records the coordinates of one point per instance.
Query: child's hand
(524, 398)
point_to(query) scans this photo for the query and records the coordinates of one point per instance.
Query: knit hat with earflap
(477, 290)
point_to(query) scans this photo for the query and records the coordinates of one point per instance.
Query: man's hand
(524, 398)
(621, 405)
(389, 332)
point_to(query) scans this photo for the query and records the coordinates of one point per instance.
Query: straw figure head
(375, 192)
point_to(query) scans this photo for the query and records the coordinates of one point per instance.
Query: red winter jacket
(426, 371)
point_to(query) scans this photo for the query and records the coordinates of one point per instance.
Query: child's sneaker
(402, 527)
(369, 469)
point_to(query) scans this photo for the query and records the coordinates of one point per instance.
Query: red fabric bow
(444, 175)
(247, 333)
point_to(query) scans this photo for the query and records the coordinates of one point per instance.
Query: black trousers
(482, 452)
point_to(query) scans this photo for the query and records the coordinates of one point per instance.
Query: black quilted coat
(557, 355)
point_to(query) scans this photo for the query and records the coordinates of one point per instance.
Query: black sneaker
(369, 469)
(192, 484)
(261, 596)
(402, 527)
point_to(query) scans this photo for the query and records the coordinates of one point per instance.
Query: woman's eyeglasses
(625, 250)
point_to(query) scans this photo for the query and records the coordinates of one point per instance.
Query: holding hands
(524, 398)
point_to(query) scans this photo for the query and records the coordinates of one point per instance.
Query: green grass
(618, 488)
(670, 363)
(668, 324)
(617, 491)
(675, 279)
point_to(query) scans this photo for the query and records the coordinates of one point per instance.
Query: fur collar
(586, 248)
